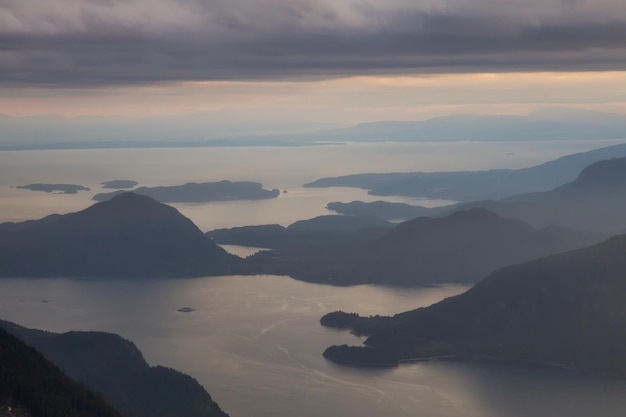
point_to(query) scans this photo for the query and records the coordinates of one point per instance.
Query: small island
(205, 192)
(186, 310)
(55, 188)
(119, 184)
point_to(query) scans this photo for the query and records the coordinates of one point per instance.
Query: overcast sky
(335, 60)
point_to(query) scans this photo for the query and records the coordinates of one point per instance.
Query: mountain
(475, 185)
(221, 128)
(116, 368)
(127, 236)
(32, 386)
(462, 247)
(546, 124)
(595, 201)
(563, 310)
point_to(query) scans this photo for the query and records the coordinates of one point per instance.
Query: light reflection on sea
(255, 343)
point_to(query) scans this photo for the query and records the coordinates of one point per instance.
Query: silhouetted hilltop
(462, 247)
(130, 235)
(201, 193)
(609, 173)
(116, 368)
(565, 310)
(32, 386)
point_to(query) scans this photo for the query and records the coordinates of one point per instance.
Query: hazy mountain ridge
(211, 129)
(566, 309)
(115, 367)
(594, 201)
(475, 185)
(544, 124)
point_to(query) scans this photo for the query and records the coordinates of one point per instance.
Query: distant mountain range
(129, 235)
(115, 368)
(210, 129)
(475, 185)
(594, 201)
(563, 310)
(544, 124)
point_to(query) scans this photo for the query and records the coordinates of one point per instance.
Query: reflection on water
(255, 343)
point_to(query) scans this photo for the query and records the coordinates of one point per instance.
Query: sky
(316, 61)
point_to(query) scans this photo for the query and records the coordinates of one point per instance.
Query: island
(119, 184)
(55, 188)
(205, 192)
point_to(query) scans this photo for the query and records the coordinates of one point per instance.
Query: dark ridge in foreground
(127, 236)
(32, 386)
(565, 310)
(115, 368)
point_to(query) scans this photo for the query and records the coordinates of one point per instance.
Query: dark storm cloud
(104, 42)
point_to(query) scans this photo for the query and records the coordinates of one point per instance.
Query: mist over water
(285, 168)
(255, 343)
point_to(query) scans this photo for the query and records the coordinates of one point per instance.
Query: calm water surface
(255, 343)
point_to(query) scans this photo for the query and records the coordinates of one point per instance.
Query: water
(255, 343)
(283, 168)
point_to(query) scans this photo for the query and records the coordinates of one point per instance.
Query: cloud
(107, 42)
